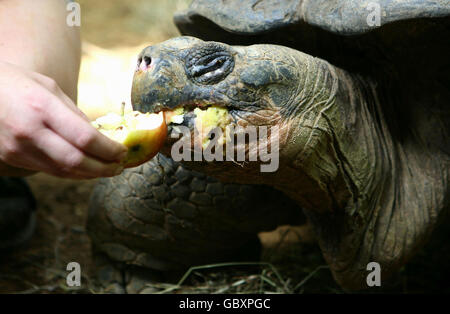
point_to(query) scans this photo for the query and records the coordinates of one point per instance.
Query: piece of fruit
(211, 118)
(175, 116)
(143, 133)
(206, 119)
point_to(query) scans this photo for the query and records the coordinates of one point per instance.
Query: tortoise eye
(209, 64)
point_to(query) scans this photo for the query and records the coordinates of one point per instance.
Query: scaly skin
(164, 217)
(373, 190)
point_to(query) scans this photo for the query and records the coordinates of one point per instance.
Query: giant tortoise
(363, 116)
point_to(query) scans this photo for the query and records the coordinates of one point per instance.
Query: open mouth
(207, 120)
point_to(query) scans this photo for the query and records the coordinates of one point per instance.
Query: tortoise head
(259, 86)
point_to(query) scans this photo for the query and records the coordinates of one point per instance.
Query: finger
(69, 159)
(82, 134)
(54, 88)
(71, 105)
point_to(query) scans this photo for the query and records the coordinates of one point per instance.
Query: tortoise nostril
(144, 63)
(147, 60)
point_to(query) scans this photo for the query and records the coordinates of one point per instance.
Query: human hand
(41, 129)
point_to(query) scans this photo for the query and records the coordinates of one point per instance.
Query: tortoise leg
(109, 275)
(119, 278)
(17, 213)
(165, 218)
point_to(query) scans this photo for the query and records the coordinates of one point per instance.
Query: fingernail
(118, 171)
(122, 156)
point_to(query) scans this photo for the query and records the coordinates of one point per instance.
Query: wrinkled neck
(381, 191)
(338, 143)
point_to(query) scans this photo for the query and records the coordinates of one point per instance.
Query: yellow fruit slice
(175, 116)
(211, 118)
(143, 133)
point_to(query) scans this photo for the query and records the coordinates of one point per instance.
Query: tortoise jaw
(200, 118)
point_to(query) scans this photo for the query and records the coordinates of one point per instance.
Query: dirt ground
(112, 32)
(60, 238)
